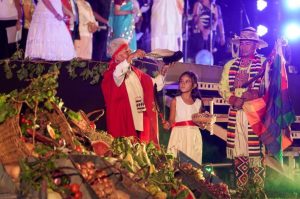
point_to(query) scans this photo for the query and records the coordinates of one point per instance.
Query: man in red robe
(129, 95)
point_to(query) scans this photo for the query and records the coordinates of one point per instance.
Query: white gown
(187, 139)
(49, 38)
(166, 25)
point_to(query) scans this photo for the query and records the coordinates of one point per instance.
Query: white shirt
(85, 16)
(134, 89)
(123, 67)
(8, 10)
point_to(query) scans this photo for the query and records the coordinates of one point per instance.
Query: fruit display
(97, 178)
(204, 186)
(99, 166)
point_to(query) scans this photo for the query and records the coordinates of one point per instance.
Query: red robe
(119, 118)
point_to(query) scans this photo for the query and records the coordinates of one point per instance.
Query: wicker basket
(12, 149)
(84, 124)
(203, 118)
(57, 118)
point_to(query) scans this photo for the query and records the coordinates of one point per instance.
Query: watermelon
(100, 147)
(183, 193)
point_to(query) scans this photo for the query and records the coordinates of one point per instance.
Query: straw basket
(58, 119)
(84, 124)
(203, 118)
(12, 149)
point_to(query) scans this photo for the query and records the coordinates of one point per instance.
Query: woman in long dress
(48, 36)
(121, 22)
(166, 24)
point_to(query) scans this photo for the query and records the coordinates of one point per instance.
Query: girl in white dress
(185, 135)
(48, 36)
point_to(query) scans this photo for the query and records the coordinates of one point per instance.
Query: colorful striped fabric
(254, 147)
(271, 116)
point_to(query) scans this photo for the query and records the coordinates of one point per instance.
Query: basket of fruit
(12, 149)
(57, 118)
(82, 120)
(105, 179)
(203, 118)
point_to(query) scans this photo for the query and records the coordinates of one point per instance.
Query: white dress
(187, 139)
(49, 38)
(166, 25)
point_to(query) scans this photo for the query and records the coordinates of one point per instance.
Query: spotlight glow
(292, 31)
(262, 30)
(292, 4)
(261, 5)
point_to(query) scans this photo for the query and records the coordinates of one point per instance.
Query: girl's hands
(166, 125)
(202, 126)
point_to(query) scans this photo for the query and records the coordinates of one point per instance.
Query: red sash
(184, 123)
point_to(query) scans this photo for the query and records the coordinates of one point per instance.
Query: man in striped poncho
(243, 145)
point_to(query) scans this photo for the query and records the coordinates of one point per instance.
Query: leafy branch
(24, 69)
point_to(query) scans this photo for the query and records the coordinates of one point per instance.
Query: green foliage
(251, 191)
(24, 69)
(41, 90)
(7, 69)
(73, 115)
(22, 73)
(6, 108)
(34, 171)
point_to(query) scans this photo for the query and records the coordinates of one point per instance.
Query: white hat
(249, 33)
(114, 45)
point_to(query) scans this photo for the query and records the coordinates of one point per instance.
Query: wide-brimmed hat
(249, 34)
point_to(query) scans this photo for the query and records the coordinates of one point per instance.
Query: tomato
(23, 120)
(29, 122)
(78, 149)
(78, 195)
(74, 187)
(92, 125)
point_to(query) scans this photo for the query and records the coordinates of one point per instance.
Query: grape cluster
(219, 191)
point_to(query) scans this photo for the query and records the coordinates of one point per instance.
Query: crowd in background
(65, 29)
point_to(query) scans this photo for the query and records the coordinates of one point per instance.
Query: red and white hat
(115, 45)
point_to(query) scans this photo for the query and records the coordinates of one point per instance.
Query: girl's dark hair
(195, 91)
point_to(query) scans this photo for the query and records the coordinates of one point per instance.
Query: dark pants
(24, 39)
(197, 43)
(99, 45)
(6, 50)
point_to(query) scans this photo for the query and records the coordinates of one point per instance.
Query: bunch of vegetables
(151, 167)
